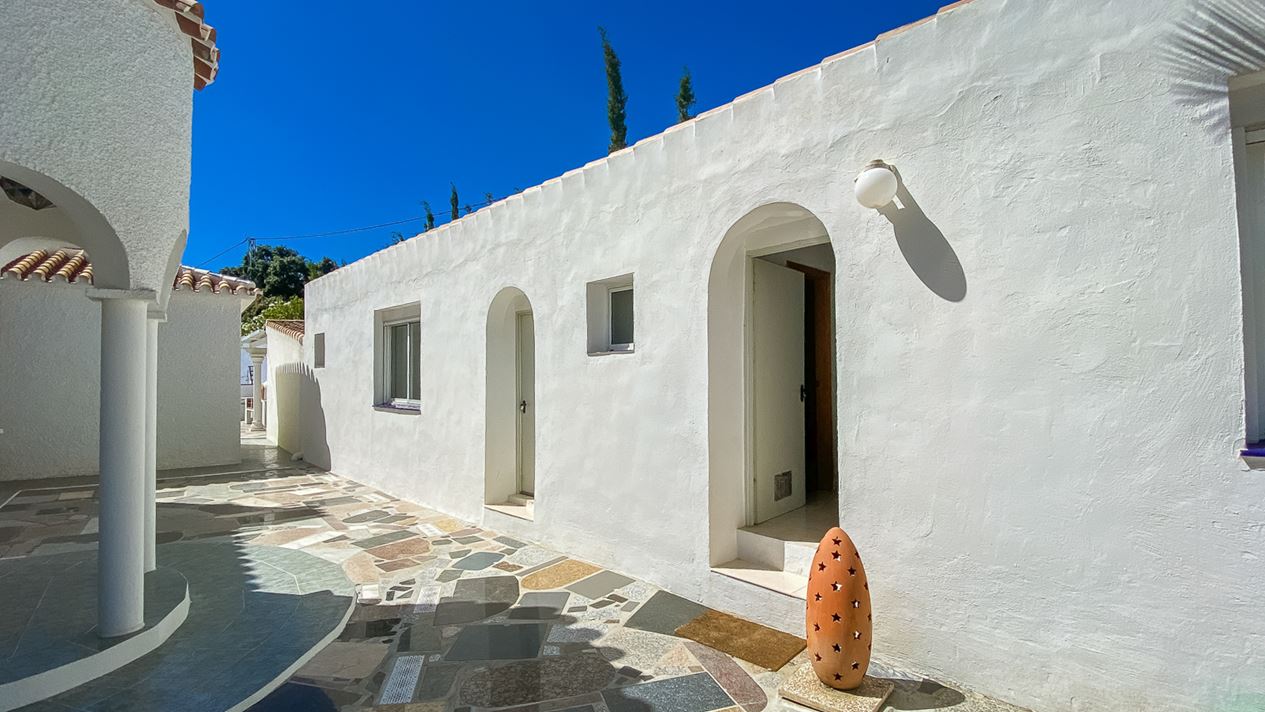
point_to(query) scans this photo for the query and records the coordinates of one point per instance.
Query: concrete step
(787, 584)
(792, 556)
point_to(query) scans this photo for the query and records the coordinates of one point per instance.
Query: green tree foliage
(685, 97)
(453, 202)
(266, 308)
(278, 271)
(488, 197)
(616, 99)
(430, 217)
(320, 269)
(397, 238)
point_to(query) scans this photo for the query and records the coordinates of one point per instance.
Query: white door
(778, 383)
(526, 430)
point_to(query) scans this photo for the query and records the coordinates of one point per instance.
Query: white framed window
(397, 358)
(619, 323)
(403, 377)
(611, 315)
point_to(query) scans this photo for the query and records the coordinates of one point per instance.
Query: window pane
(399, 361)
(415, 361)
(622, 317)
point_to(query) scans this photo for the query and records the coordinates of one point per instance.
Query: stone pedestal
(803, 687)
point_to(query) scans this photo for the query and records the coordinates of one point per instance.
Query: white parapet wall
(1040, 356)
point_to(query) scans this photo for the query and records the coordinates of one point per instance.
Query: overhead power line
(331, 233)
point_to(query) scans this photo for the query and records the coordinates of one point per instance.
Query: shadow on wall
(924, 246)
(299, 411)
(1213, 41)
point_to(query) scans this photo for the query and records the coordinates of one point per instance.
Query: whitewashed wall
(96, 113)
(50, 366)
(283, 366)
(1038, 425)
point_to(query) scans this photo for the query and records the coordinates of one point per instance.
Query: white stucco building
(1022, 387)
(50, 361)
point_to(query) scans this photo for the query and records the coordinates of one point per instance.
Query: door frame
(748, 365)
(518, 399)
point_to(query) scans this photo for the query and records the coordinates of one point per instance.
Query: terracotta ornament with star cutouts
(839, 622)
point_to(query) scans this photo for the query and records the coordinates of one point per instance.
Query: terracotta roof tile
(289, 327)
(71, 265)
(206, 56)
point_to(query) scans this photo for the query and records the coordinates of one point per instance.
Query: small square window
(318, 350)
(611, 315)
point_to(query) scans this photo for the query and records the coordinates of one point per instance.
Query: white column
(121, 551)
(257, 413)
(151, 439)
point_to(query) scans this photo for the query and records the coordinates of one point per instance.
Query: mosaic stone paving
(452, 617)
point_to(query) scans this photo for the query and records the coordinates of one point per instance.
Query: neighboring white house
(1020, 387)
(283, 365)
(50, 363)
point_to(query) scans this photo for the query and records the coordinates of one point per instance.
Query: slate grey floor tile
(478, 561)
(691, 693)
(664, 613)
(498, 642)
(599, 584)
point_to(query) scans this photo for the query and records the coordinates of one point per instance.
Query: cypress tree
(685, 97)
(430, 217)
(616, 99)
(453, 202)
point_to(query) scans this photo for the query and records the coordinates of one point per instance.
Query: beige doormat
(755, 643)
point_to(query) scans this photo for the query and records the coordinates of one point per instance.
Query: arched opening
(771, 393)
(510, 405)
(37, 212)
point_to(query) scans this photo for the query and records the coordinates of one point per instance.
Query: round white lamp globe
(876, 185)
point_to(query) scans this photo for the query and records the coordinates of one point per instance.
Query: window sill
(1253, 456)
(612, 352)
(388, 408)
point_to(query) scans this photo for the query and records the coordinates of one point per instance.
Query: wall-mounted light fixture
(875, 186)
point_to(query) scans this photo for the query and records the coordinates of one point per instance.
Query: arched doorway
(510, 405)
(771, 390)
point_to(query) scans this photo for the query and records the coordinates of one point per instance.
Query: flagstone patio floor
(451, 617)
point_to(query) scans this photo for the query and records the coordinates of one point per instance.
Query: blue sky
(330, 115)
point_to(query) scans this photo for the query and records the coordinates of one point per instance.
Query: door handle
(803, 393)
(522, 407)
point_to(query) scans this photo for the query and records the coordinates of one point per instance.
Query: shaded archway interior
(58, 218)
